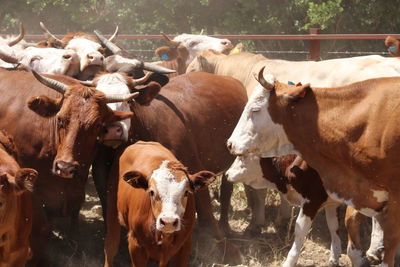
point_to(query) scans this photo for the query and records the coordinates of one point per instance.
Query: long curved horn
(107, 43)
(168, 40)
(111, 39)
(157, 68)
(267, 85)
(141, 80)
(53, 84)
(114, 98)
(8, 58)
(51, 36)
(19, 37)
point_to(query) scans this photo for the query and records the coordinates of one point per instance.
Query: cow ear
(201, 179)
(292, 93)
(116, 115)
(25, 179)
(202, 61)
(148, 93)
(166, 53)
(44, 105)
(136, 179)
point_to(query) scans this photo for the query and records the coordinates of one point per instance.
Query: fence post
(315, 45)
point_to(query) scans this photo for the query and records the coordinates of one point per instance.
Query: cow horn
(107, 43)
(267, 85)
(87, 83)
(141, 80)
(157, 68)
(8, 58)
(19, 37)
(53, 84)
(113, 98)
(168, 40)
(115, 35)
(51, 36)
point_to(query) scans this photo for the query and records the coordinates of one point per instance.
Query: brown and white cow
(349, 134)
(16, 186)
(192, 116)
(155, 201)
(55, 126)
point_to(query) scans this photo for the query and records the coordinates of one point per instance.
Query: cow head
(45, 60)
(247, 170)
(120, 83)
(169, 187)
(205, 61)
(90, 52)
(256, 132)
(197, 43)
(393, 46)
(78, 117)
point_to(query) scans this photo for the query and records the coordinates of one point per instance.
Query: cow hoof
(375, 258)
(232, 254)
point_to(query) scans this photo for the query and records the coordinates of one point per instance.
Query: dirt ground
(269, 249)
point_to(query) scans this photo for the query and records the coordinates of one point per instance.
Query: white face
(248, 170)
(172, 195)
(115, 83)
(50, 60)
(197, 43)
(256, 132)
(87, 50)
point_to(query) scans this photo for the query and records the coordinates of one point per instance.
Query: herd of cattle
(155, 134)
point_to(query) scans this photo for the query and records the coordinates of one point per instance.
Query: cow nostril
(90, 57)
(224, 42)
(162, 222)
(229, 145)
(175, 224)
(67, 56)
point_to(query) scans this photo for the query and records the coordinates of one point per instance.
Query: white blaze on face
(115, 83)
(197, 43)
(170, 192)
(50, 60)
(256, 132)
(247, 170)
(87, 50)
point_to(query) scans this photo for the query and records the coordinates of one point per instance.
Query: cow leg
(352, 221)
(101, 168)
(332, 219)
(181, 258)
(225, 199)
(257, 200)
(138, 254)
(374, 253)
(284, 211)
(391, 237)
(303, 225)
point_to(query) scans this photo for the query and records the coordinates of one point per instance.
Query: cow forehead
(168, 184)
(81, 44)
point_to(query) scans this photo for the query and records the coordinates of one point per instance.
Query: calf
(301, 185)
(16, 185)
(155, 201)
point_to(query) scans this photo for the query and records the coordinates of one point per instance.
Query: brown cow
(155, 201)
(55, 130)
(192, 116)
(16, 185)
(349, 134)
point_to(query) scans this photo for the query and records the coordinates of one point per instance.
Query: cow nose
(169, 223)
(95, 58)
(66, 169)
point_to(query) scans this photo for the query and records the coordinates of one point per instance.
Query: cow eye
(151, 192)
(187, 193)
(255, 109)
(60, 122)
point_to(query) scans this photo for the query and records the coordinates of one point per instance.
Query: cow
(192, 116)
(243, 66)
(393, 46)
(183, 49)
(16, 185)
(90, 52)
(155, 201)
(55, 123)
(301, 186)
(349, 134)
(43, 60)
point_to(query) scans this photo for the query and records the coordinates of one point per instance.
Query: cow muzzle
(65, 169)
(113, 135)
(168, 224)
